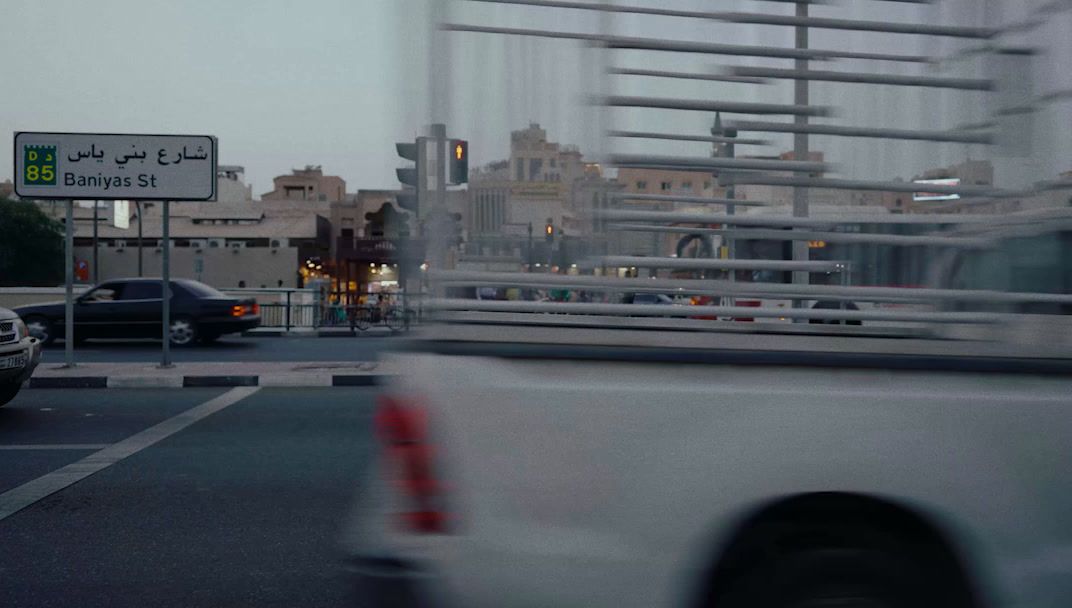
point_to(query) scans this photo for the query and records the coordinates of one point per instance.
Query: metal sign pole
(68, 271)
(140, 262)
(165, 289)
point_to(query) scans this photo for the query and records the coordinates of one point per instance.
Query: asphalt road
(362, 347)
(240, 508)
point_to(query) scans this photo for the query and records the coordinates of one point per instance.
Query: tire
(8, 392)
(183, 332)
(395, 320)
(363, 318)
(838, 567)
(42, 329)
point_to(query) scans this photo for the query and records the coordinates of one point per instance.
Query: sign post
(68, 273)
(165, 286)
(110, 166)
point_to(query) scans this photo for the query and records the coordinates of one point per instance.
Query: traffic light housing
(549, 232)
(458, 159)
(409, 176)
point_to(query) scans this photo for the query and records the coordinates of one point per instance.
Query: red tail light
(403, 429)
(240, 310)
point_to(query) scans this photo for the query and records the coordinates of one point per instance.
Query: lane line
(19, 498)
(55, 446)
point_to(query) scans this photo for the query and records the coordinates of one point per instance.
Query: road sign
(115, 167)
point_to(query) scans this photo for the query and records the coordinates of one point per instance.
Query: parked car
(19, 354)
(131, 308)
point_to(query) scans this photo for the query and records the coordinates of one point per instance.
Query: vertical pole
(800, 151)
(140, 261)
(288, 311)
(530, 247)
(68, 271)
(165, 287)
(96, 264)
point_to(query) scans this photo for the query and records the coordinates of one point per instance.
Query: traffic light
(549, 232)
(411, 176)
(459, 161)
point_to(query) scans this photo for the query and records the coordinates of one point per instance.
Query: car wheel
(183, 331)
(8, 392)
(845, 573)
(41, 328)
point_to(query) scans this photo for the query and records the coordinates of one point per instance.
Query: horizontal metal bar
(655, 310)
(698, 138)
(959, 136)
(679, 46)
(673, 198)
(710, 163)
(786, 219)
(951, 31)
(848, 184)
(713, 264)
(760, 234)
(765, 19)
(964, 84)
(740, 288)
(648, 44)
(701, 105)
(685, 75)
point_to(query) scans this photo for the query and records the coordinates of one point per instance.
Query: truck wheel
(863, 574)
(8, 392)
(41, 328)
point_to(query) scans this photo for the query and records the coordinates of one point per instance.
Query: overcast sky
(336, 82)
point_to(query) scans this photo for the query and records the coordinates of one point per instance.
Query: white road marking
(19, 498)
(55, 446)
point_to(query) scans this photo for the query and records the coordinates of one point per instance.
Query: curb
(268, 381)
(321, 333)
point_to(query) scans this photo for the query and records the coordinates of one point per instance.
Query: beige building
(308, 184)
(231, 186)
(249, 244)
(534, 186)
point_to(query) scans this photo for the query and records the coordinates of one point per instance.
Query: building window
(535, 168)
(686, 185)
(666, 186)
(707, 185)
(642, 185)
(554, 163)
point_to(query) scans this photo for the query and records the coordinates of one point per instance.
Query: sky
(336, 82)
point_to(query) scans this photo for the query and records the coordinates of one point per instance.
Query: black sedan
(131, 308)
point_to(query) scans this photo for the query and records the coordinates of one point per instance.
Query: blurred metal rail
(655, 310)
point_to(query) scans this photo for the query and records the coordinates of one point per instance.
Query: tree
(31, 246)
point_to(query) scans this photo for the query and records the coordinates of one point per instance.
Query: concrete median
(212, 374)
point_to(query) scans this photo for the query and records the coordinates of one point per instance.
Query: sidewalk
(268, 373)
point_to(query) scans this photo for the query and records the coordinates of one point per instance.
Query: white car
(19, 354)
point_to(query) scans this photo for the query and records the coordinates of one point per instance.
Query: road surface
(204, 497)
